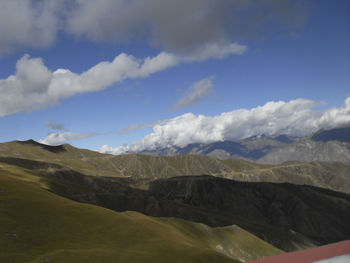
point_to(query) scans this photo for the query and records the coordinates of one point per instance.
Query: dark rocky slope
(273, 212)
(320, 214)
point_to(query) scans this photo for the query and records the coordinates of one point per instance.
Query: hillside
(309, 150)
(274, 212)
(39, 226)
(290, 217)
(261, 208)
(331, 175)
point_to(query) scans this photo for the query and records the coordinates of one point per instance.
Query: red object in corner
(309, 255)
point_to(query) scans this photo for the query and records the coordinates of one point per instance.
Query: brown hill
(144, 168)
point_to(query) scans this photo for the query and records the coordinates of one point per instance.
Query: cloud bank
(182, 26)
(65, 137)
(34, 86)
(295, 117)
(196, 93)
(28, 24)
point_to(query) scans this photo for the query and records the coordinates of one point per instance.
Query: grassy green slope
(39, 226)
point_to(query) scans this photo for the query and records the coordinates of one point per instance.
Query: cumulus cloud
(65, 137)
(295, 117)
(54, 126)
(34, 86)
(182, 26)
(196, 93)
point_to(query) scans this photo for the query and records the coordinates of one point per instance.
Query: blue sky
(273, 67)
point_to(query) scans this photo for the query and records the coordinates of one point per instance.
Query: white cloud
(108, 149)
(196, 93)
(65, 137)
(216, 51)
(295, 117)
(34, 86)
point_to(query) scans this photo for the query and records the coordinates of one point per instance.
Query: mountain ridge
(144, 168)
(323, 145)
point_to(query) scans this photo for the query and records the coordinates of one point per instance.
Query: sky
(121, 75)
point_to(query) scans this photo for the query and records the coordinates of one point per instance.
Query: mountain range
(324, 145)
(145, 168)
(64, 204)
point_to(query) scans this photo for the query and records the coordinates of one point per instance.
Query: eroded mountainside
(288, 216)
(270, 211)
(331, 175)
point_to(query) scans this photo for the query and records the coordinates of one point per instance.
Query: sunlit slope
(94, 163)
(79, 159)
(39, 226)
(331, 175)
(230, 240)
(334, 176)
